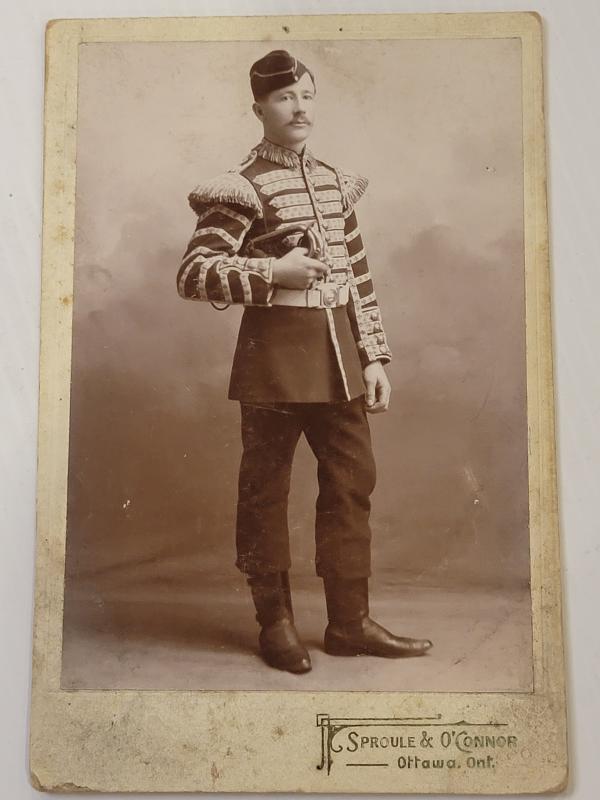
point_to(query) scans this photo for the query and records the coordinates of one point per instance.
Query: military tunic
(296, 370)
(285, 354)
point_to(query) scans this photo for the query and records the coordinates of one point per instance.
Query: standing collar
(284, 156)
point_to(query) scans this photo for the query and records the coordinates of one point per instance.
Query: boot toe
(288, 661)
(419, 647)
(301, 666)
(370, 638)
(282, 649)
(402, 646)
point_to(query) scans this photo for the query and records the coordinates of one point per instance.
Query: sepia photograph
(296, 443)
(361, 203)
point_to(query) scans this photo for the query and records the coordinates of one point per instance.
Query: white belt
(323, 295)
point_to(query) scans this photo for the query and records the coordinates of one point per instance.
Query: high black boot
(287, 592)
(279, 642)
(351, 632)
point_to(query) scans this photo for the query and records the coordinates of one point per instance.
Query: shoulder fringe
(229, 187)
(353, 188)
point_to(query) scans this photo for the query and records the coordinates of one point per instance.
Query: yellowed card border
(189, 728)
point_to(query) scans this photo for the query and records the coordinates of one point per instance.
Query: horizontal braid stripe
(213, 242)
(200, 250)
(369, 298)
(211, 245)
(352, 234)
(365, 289)
(339, 277)
(334, 224)
(331, 215)
(355, 246)
(358, 256)
(289, 184)
(266, 178)
(328, 195)
(296, 213)
(224, 211)
(360, 268)
(331, 208)
(221, 233)
(366, 292)
(284, 200)
(323, 171)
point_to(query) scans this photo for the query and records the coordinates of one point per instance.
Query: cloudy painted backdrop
(435, 126)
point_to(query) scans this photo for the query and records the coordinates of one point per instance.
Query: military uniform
(297, 369)
(286, 354)
(306, 362)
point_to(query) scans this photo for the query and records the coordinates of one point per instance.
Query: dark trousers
(338, 434)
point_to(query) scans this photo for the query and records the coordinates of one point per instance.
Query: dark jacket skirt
(286, 355)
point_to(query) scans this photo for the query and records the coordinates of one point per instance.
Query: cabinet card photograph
(297, 524)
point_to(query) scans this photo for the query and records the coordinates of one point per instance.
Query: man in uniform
(279, 235)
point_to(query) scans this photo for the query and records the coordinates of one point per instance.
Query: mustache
(299, 119)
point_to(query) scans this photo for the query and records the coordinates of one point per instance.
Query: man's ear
(257, 108)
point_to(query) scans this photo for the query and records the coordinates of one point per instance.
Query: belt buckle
(329, 296)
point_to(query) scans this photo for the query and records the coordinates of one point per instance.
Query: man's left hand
(378, 388)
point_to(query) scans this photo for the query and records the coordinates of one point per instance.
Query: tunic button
(374, 315)
(380, 339)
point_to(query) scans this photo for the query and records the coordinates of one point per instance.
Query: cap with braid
(274, 71)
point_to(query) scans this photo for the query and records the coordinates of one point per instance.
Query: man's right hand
(295, 270)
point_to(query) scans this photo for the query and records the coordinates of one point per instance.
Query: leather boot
(287, 592)
(279, 642)
(351, 632)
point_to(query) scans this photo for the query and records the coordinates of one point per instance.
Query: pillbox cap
(274, 71)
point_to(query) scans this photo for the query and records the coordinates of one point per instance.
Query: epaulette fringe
(229, 187)
(356, 186)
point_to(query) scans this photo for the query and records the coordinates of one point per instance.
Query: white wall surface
(572, 31)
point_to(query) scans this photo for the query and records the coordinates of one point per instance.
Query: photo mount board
(261, 741)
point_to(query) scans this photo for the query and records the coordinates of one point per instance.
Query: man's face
(288, 114)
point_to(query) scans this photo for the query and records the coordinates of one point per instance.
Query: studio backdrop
(154, 442)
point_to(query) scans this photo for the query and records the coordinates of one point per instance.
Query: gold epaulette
(229, 187)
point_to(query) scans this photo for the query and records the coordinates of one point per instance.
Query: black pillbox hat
(274, 71)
